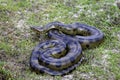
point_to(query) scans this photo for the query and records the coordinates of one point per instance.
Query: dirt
(2, 77)
(14, 64)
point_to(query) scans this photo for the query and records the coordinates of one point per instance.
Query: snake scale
(63, 52)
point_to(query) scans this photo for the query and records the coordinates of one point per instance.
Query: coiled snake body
(64, 53)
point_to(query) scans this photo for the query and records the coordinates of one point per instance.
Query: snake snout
(38, 29)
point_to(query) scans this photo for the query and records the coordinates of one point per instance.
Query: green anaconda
(64, 53)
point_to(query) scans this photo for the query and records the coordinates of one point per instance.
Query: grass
(17, 40)
(4, 74)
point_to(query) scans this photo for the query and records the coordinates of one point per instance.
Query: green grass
(4, 74)
(103, 62)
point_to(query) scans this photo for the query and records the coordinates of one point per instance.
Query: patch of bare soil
(2, 77)
(16, 64)
(3, 56)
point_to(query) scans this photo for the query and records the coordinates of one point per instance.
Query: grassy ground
(17, 40)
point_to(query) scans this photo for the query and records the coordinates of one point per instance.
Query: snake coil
(64, 53)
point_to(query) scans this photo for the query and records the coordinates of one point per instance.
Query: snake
(63, 52)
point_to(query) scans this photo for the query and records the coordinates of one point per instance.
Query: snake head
(38, 29)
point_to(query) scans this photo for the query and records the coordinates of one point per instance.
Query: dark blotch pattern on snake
(63, 52)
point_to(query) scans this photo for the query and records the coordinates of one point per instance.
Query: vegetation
(17, 40)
